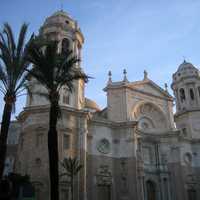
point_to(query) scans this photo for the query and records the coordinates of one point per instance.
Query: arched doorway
(104, 183)
(151, 190)
(191, 194)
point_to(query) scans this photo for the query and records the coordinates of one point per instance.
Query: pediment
(149, 87)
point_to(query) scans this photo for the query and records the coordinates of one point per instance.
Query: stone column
(177, 100)
(82, 156)
(140, 170)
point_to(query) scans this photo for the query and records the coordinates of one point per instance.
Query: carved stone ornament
(104, 176)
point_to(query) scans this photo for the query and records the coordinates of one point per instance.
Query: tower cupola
(186, 87)
(61, 27)
(185, 70)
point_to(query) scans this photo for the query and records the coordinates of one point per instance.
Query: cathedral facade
(134, 149)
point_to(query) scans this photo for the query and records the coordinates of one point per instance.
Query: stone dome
(60, 21)
(185, 65)
(185, 70)
(61, 13)
(92, 105)
(61, 25)
(60, 17)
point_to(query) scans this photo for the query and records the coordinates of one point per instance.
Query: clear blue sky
(134, 34)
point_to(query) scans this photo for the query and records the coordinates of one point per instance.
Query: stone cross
(61, 5)
(109, 77)
(125, 73)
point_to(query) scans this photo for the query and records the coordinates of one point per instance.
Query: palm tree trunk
(72, 187)
(53, 152)
(4, 134)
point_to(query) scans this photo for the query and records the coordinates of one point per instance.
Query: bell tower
(62, 28)
(186, 88)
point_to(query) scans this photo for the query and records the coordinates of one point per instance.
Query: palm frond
(10, 39)
(55, 69)
(21, 40)
(20, 81)
(5, 54)
(71, 166)
(3, 77)
(2, 90)
(13, 61)
(78, 168)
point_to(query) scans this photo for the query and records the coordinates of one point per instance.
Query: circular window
(103, 146)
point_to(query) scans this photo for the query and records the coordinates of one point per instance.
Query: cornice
(149, 137)
(189, 140)
(128, 86)
(184, 112)
(164, 134)
(112, 124)
(184, 78)
(45, 109)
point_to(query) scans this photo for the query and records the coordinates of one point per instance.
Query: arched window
(182, 94)
(166, 188)
(199, 90)
(66, 96)
(39, 139)
(151, 190)
(66, 99)
(191, 94)
(65, 44)
(184, 131)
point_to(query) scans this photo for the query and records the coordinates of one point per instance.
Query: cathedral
(136, 148)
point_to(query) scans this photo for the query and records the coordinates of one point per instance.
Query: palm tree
(72, 168)
(13, 65)
(53, 69)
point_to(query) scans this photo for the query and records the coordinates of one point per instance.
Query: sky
(136, 35)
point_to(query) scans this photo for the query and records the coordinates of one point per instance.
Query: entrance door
(151, 190)
(191, 194)
(104, 193)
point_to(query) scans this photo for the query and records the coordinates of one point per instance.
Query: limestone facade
(134, 149)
